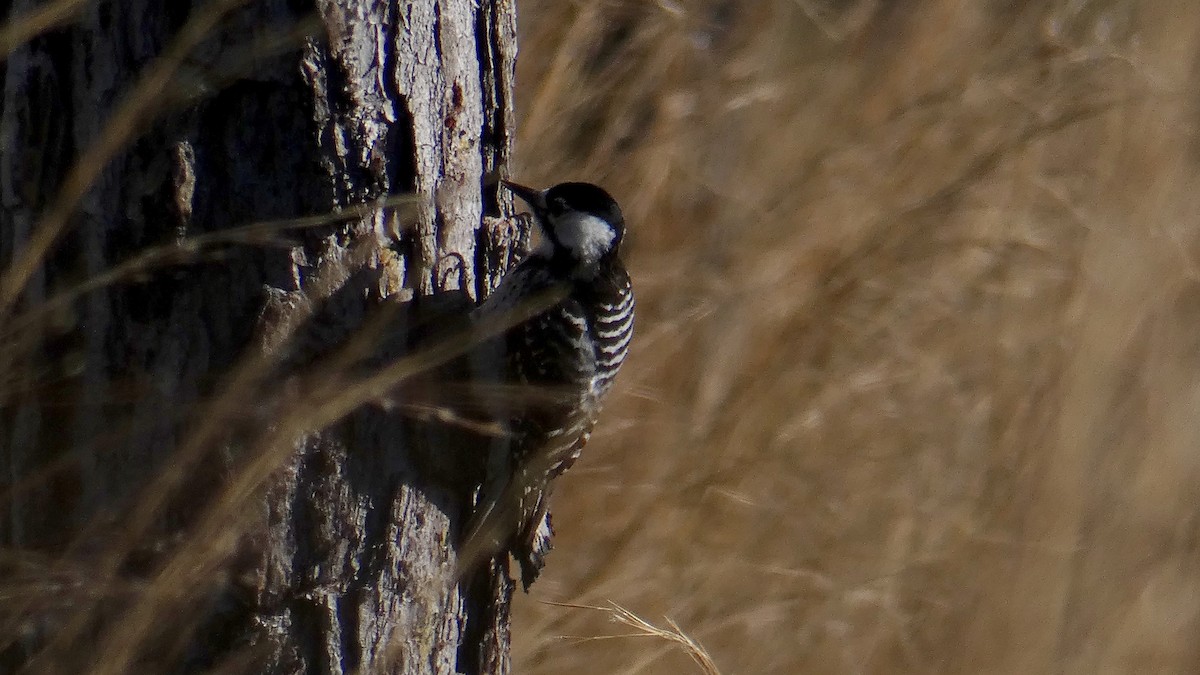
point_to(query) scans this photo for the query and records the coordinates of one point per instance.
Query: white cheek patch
(586, 235)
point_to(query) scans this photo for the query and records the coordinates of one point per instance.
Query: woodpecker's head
(579, 221)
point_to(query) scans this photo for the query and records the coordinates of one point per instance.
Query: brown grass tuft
(642, 628)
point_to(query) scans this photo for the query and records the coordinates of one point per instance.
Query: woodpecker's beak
(535, 198)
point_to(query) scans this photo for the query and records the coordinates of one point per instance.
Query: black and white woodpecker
(558, 362)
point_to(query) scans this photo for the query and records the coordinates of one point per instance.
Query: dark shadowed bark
(213, 306)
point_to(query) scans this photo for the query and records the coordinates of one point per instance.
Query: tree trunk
(211, 302)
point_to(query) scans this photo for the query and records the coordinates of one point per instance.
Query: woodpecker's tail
(516, 522)
(534, 540)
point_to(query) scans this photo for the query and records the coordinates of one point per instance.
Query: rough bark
(206, 460)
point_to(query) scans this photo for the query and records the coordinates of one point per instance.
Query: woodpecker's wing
(564, 356)
(612, 324)
(587, 343)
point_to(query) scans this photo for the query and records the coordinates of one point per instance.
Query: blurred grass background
(915, 385)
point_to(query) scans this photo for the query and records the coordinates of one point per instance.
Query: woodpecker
(559, 362)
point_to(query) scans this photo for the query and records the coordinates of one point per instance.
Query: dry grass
(916, 378)
(643, 629)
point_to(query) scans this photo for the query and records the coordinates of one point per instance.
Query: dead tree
(207, 305)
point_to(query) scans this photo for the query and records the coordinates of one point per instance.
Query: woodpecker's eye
(557, 206)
